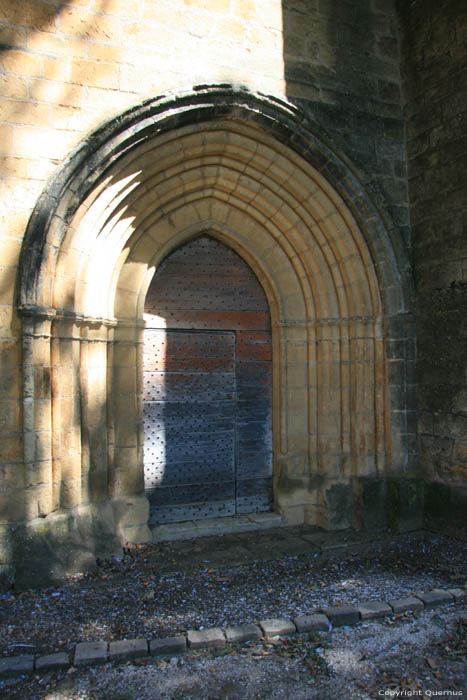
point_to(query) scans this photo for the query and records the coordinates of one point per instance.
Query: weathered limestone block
(6, 545)
(51, 662)
(339, 506)
(126, 649)
(434, 598)
(312, 623)
(342, 614)
(168, 646)
(7, 576)
(90, 653)
(131, 518)
(16, 665)
(243, 633)
(277, 626)
(201, 639)
(63, 542)
(370, 610)
(95, 525)
(404, 604)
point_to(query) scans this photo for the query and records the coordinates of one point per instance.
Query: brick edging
(324, 619)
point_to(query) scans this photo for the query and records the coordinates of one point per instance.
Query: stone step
(192, 529)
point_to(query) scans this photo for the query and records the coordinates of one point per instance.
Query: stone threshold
(230, 525)
(322, 620)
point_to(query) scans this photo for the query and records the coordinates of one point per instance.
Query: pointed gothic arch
(251, 171)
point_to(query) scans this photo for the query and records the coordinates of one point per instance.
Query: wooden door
(207, 387)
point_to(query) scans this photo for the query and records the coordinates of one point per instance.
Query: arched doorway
(207, 387)
(252, 172)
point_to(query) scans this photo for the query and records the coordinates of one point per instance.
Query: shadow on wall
(30, 14)
(41, 47)
(341, 64)
(44, 53)
(342, 68)
(321, 106)
(61, 543)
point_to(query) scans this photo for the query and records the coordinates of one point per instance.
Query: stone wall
(342, 66)
(434, 62)
(66, 67)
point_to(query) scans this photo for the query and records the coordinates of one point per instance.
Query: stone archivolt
(248, 171)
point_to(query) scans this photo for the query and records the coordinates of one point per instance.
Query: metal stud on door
(207, 387)
(189, 404)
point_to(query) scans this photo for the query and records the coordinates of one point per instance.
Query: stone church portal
(207, 307)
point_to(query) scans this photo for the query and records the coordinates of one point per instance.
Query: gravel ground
(420, 655)
(128, 598)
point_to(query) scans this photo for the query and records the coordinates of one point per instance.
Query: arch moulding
(250, 171)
